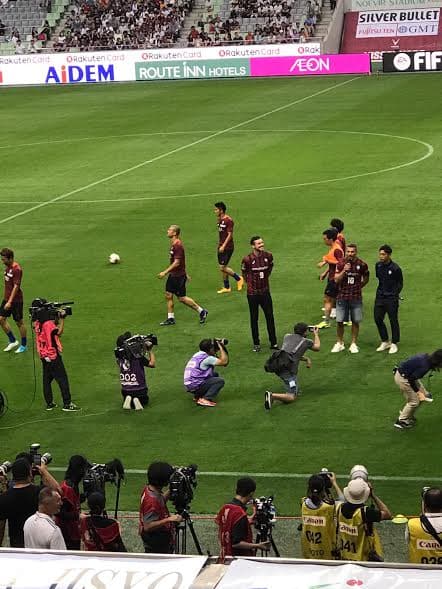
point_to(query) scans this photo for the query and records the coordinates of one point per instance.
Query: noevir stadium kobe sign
(414, 61)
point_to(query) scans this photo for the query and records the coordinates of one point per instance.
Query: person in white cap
(356, 537)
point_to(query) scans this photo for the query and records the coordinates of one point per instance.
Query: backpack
(279, 361)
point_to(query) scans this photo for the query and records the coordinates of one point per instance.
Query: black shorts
(224, 257)
(16, 310)
(142, 395)
(331, 290)
(176, 285)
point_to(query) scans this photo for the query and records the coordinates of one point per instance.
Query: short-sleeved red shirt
(350, 287)
(177, 253)
(225, 226)
(13, 275)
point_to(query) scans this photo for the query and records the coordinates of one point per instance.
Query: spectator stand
(121, 24)
(247, 22)
(27, 24)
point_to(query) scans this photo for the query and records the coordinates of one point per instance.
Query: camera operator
(49, 349)
(69, 517)
(157, 529)
(294, 346)
(200, 379)
(132, 377)
(356, 537)
(20, 501)
(235, 531)
(98, 531)
(40, 530)
(318, 538)
(424, 534)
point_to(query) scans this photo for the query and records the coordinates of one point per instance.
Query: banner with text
(392, 30)
(307, 66)
(244, 574)
(123, 66)
(419, 61)
(355, 5)
(40, 571)
(184, 70)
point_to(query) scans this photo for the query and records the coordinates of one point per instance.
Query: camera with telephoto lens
(326, 475)
(5, 468)
(182, 482)
(220, 343)
(265, 515)
(97, 475)
(37, 458)
(136, 346)
(42, 310)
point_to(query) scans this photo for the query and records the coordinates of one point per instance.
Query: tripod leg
(189, 522)
(275, 549)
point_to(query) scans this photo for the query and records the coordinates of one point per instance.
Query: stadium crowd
(122, 24)
(335, 524)
(275, 24)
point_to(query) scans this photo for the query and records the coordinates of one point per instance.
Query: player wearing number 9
(424, 534)
(256, 269)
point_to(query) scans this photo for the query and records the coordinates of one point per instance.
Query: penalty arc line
(174, 151)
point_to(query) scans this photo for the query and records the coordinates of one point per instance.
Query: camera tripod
(181, 534)
(264, 534)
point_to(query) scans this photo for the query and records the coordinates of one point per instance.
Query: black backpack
(279, 361)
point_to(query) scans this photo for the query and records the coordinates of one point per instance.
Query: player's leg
(171, 288)
(267, 307)
(355, 308)
(226, 271)
(393, 311)
(330, 293)
(379, 311)
(254, 313)
(341, 317)
(4, 313)
(225, 276)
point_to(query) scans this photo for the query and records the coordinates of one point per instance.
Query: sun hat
(357, 491)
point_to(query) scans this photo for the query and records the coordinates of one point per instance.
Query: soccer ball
(114, 259)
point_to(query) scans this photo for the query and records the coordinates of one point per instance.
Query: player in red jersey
(12, 303)
(225, 248)
(177, 278)
(256, 269)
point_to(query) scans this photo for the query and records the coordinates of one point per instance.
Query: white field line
(174, 151)
(283, 475)
(428, 146)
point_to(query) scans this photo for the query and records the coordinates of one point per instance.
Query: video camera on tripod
(264, 520)
(42, 310)
(97, 475)
(181, 485)
(135, 346)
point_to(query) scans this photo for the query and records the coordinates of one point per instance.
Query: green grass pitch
(367, 151)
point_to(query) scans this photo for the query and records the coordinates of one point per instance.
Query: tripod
(264, 534)
(181, 534)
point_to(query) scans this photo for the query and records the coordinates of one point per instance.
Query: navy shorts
(176, 285)
(224, 257)
(331, 290)
(16, 310)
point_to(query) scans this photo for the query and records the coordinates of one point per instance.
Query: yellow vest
(318, 531)
(352, 540)
(422, 547)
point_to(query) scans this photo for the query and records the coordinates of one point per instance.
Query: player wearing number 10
(256, 269)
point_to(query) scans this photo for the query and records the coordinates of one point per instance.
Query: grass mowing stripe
(174, 151)
(279, 475)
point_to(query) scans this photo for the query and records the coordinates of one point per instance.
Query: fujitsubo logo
(73, 74)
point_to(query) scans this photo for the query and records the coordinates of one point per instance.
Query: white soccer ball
(114, 259)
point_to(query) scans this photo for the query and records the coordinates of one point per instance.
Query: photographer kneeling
(157, 526)
(291, 353)
(200, 379)
(98, 531)
(48, 324)
(133, 354)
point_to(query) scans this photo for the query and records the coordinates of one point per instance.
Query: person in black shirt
(21, 500)
(390, 285)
